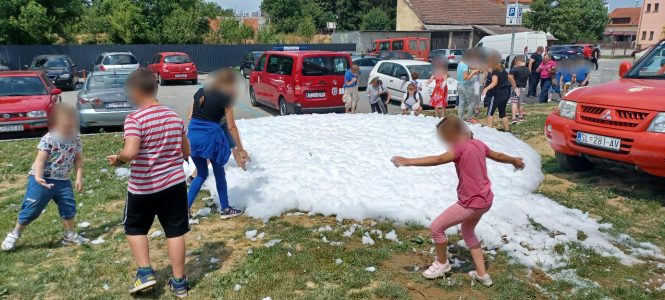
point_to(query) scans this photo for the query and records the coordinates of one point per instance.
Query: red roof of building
(626, 12)
(454, 12)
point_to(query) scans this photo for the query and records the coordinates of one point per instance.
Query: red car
(173, 66)
(26, 99)
(621, 122)
(299, 81)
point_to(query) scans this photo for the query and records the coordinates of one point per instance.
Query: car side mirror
(74, 66)
(624, 67)
(56, 92)
(25, 66)
(404, 78)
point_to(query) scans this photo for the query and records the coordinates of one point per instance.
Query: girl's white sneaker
(437, 270)
(484, 280)
(10, 240)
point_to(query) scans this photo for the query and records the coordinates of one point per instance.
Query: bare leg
(405, 112)
(441, 252)
(140, 249)
(419, 111)
(177, 255)
(490, 121)
(478, 260)
(506, 123)
(514, 110)
(18, 229)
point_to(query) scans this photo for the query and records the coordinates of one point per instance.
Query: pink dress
(440, 94)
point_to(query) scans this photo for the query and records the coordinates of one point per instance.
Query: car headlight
(567, 109)
(37, 114)
(658, 124)
(65, 76)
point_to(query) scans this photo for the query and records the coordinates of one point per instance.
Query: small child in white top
(412, 100)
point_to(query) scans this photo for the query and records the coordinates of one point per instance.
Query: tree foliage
(38, 21)
(569, 20)
(307, 28)
(375, 19)
(232, 31)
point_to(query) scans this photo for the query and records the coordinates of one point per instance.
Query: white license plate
(180, 75)
(11, 128)
(118, 105)
(341, 91)
(599, 141)
(316, 95)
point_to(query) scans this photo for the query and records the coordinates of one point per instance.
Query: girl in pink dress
(439, 97)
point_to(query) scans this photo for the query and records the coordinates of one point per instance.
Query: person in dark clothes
(500, 87)
(534, 78)
(595, 56)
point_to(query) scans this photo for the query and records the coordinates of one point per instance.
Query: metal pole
(512, 40)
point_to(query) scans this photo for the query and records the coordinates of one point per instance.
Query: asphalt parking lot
(178, 96)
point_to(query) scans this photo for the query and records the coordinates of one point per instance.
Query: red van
(417, 47)
(621, 122)
(297, 82)
(173, 66)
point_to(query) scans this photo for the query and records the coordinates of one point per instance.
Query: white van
(501, 42)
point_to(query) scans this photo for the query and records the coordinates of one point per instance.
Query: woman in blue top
(208, 140)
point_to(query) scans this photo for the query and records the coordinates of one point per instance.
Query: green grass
(40, 268)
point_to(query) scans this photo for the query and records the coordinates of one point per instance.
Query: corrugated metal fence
(206, 57)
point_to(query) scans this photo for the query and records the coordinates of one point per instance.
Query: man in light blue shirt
(351, 96)
(465, 91)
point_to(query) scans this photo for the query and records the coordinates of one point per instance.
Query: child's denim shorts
(38, 196)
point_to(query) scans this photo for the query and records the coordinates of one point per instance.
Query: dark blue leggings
(201, 176)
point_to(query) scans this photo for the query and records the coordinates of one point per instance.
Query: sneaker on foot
(230, 212)
(514, 121)
(437, 270)
(141, 283)
(74, 239)
(10, 241)
(179, 289)
(484, 280)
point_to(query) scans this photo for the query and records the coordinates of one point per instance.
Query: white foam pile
(340, 165)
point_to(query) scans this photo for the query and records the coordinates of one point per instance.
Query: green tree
(375, 19)
(266, 35)
(307, 29)
(232, 31)
(39, 21)
(126, 22)
(570, 21)
(184, 26)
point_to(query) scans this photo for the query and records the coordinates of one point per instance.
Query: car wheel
(252, 97)
(282, 107)
(195, 81)
(573, 163)
(161, 81)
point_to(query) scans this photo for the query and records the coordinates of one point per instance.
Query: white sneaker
(74, 239)
(437, 270)
(484, 280)
(10, 240)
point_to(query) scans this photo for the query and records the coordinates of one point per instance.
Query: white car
(396, 75)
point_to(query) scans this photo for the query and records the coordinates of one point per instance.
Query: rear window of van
(324, 65)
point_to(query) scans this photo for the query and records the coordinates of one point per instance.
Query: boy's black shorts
(169, 205)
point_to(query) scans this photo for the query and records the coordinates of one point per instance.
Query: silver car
(454, 56)
(366, 65)
(102, 101)
(108, 61)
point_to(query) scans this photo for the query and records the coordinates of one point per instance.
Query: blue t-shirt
(566, 75)
(582, 73)
(461, 68)
(347, 77)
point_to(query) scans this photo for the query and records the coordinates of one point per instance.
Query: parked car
(621, 122)
(173, 66)
(116, 60)
(502, 42)
(59, 68)
(102, 101)
(26, 99)
(396, 75)
(300, 81)
(559, 52)
(366, 65)
(3, 65)
(454, 56)
(388, 55)
(249, 61)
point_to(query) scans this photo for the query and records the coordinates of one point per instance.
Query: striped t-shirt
(158, 164)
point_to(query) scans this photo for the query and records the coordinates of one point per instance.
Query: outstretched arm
(426, 161)
(517, 162)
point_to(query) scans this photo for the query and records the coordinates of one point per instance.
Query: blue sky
(253, 5)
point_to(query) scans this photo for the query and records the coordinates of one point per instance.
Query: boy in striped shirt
(155, 144)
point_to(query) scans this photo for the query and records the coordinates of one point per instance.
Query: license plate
(341, 91)
(316, 95)
(599, 141)
(118, 105)
(11, 128)
(180, 75)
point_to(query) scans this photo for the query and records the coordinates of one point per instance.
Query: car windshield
(120, 59)
(107, 81)
(50, 62)
(257, 55)
(457, 52)
(652, 65)
(324, 65)
(177, 59)
(424, 71)
(21, 86)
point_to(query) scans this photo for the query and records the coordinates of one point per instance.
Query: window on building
(644, 35)
(651, 36)
(649, 7)
(655, 7)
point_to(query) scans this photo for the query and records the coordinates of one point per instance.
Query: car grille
(618, 118)
(626, 144)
